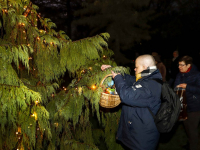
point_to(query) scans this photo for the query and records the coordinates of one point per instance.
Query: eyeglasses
(181, 65)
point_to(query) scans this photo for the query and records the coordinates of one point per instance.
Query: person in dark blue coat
(137, 130)
(189, 79)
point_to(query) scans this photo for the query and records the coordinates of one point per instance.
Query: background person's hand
(183, 85)
(103, 67)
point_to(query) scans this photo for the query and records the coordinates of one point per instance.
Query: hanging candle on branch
(27, 9)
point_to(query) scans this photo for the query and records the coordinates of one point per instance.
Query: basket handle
(104, 79)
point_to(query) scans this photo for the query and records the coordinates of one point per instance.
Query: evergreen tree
(126, 21)
(63, 9)
(35, 113)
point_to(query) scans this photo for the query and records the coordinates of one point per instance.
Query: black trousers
(191, 127)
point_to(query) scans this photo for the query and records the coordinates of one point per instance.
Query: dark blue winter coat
(192, 79)
(137, 129)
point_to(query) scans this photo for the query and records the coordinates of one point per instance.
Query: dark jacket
(137, 129)
(161, 67)
(192, 79)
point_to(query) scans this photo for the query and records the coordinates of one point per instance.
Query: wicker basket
(108, 100)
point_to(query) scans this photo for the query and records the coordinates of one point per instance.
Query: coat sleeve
(194, 88)
(139, 97)
(129, 79)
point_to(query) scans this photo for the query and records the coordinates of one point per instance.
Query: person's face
(175, 54)
(138, 67)
(183, 67)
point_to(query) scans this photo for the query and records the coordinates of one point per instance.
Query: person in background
(154, 54)
(137, 129)
(173, 69)
(161, 67)
(189, 79)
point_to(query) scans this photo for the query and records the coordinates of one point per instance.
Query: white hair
(146, 60)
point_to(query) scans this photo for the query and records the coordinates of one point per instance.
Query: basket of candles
(109, 97)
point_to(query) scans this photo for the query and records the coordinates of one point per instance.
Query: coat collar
(154, 75)
(188, 73)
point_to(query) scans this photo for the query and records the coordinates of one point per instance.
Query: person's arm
(130, 95)
(129, 79)
(195, 87)
(162, 70)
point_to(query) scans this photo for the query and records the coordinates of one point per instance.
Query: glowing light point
(93, 87)
(56, 124)
(36, 102)
(34, 115)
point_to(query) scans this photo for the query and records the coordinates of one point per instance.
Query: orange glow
(93, 87)
(34, 115)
